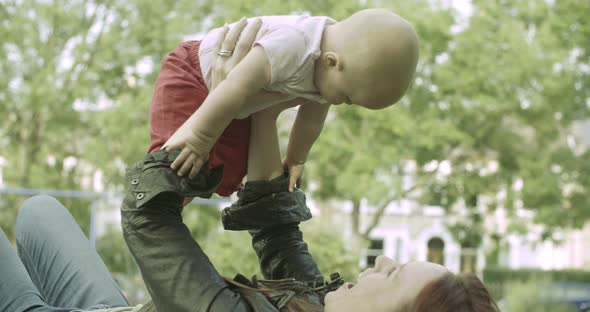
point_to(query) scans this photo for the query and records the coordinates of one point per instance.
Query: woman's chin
(338, 293)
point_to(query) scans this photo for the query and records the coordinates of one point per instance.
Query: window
(375, 249)
(436, 251)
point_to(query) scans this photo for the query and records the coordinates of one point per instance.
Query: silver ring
(225, 52)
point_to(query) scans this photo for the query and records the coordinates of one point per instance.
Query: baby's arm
(218, 110)
(306, 129)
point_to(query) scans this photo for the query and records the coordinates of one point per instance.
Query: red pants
(179, 92)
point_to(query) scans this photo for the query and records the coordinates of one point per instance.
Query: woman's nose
(383, 263)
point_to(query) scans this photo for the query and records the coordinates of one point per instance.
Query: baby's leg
(264, 156)
(277, 241)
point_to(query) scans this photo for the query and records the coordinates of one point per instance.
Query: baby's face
(335, 89)
(374, 63)
(356, 85)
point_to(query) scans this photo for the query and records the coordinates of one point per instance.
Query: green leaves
(492, 106)
(494, 102)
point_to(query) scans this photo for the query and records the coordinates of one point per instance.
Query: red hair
(454, 293)
(449, 293)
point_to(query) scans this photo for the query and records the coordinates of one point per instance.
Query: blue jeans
(56, 269)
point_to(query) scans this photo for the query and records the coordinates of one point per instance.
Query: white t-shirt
(292, 44)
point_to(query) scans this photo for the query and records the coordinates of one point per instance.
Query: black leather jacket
(176, 271)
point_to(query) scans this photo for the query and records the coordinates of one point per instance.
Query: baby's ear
(331, 59)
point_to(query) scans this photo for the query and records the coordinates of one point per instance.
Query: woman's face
(385, 287)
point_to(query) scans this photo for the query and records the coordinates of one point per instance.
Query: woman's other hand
(232, 46)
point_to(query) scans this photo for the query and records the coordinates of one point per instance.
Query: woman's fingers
(234, 42)
(221, 37)
(233, 34)
(244, 45)
(180, 159)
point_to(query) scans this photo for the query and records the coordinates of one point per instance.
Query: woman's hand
(236, 41)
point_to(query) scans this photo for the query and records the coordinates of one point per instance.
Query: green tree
(71, 96)
(368, 155)
(487, 124)
(515, 104)
(112, 249)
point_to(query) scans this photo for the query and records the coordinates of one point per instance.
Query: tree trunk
(25, 166)
(356, 217)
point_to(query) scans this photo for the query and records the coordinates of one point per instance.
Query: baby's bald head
(379, 50)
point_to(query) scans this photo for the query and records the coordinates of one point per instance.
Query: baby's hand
(188, 161)
(191, 158)
(295, 173)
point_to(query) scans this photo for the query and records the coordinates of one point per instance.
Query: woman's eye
(392, 271)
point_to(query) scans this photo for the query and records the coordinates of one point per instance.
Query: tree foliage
(488, 122)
